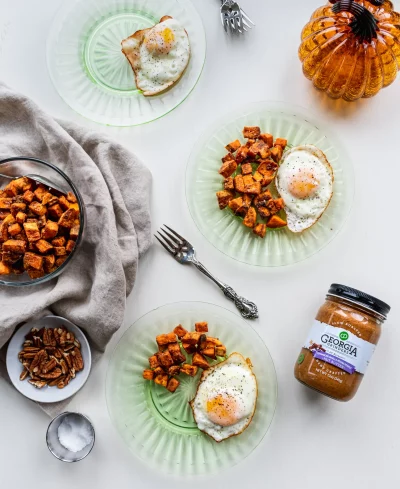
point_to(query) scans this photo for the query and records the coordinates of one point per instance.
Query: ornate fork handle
(246, 308)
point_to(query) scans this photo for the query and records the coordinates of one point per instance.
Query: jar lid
(360, 298)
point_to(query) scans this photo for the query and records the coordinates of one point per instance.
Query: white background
(313, 441)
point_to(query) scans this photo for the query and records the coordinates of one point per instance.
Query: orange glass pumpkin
(351, 49)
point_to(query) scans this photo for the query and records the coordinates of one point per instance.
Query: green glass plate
(91, 73)
(225, 230)
(158, 426)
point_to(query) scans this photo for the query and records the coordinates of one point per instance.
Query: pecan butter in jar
(341, 342)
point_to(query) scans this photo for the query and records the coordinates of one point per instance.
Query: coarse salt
(75, 433)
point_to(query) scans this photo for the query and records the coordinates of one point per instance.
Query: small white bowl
(46, 394)
(58, 450)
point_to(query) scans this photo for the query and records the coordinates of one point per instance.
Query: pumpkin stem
(364, 25)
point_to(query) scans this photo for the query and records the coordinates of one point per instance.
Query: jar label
(339, 347)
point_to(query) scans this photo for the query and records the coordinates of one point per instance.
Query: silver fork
(234, 17)
(184, 253)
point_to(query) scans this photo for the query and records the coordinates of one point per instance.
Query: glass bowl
(20, 166)
(225, 230)
(92, 75)
(159, 426)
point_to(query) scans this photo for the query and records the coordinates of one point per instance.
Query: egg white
(302, 213)
(158, 64)
(233, 378)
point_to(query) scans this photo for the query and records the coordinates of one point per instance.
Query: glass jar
(341, 342)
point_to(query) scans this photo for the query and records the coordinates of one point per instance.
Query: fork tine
(176, 234)
(246, 17)
(174, 239)
(232, 25)
(246, 24)
(169, 243)
(164, 245)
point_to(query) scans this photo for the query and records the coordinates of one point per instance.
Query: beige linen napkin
(115, 187)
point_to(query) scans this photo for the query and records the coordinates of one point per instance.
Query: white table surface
(313, 440)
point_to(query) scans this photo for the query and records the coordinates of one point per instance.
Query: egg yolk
(303, 184)
(160, 41)
(222, 410)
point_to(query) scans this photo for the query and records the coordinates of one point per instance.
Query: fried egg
(158, 55)
(305, 182)
(226, 398)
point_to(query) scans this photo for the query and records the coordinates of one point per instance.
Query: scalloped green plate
(158, 426)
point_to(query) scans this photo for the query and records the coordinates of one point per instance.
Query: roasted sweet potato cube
(267, 180)
(161, 380)
(41, 222)
(228, 168)
(281, 142)
(236, 204)
(148, 374)
(4, 214)
(20, 183)
(38, 208)
(191, 338)
(165, 359)
(48, 199)
(264, 212)
(10, 258)
(32, 260)
(228, 157)
(190, 370)
(35, 274)
(213, 341)
(189, 348)
(220, 351)
(173, 384)
(43, 246)
(12, 189)
(60, 260)
(64, 204)
(276, 222)
(275, 205)
(251, 218)
(60, 250)
(5, 269)
(159, 371)
(20, 217)
(165, 339)
(234, 146)
(49, 262)
(239, 184)
(55, 211)
(32, 231)
(3, 232)
(229, 184)
(267, 138)
(251, 132)
(28, 196)
(74, 206)
(209, 352)
(258, 177)
(253, 188)
(71, 197)
(14, 229)
(224, 197)
(40, 191)
(247, 200)
(59, 241)
(201, 327)
(247, 169)
(17, 207)
(259, 148)
(176, 354)
(267, 167)
(276, 153)
(50, 230)
(241, 154)
(153, 362)
(68, 218)
(262, 199)
(74, 233)
(260, 230)
(70, 246)
(199, 360)
(6, 203)
(14, 246)
(248, 180)
(180, 331)
(174, 370)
